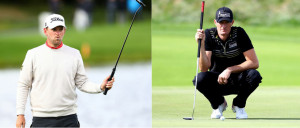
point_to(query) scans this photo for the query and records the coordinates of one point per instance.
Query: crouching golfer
(228, 54)
(50, 75)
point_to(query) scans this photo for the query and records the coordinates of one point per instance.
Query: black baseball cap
(224, 13)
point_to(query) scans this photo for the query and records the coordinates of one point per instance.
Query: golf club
(198, 56)
(114, 69)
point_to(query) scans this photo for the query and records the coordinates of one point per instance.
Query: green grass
(274, 104)
(105, 41)
(267, 107)
(174, 53)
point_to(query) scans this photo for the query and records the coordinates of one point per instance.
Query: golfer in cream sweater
(50, 75)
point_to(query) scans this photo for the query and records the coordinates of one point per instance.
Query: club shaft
(114, 69)
(141, 3)
(195, 87)
(198, 56)
(127, 36)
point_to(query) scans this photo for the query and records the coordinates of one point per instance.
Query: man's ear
(45, 31)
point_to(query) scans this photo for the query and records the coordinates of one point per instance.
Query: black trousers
(242, 84)
(62, 121)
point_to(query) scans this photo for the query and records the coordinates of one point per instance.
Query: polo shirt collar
(61, 44)
(217, 36)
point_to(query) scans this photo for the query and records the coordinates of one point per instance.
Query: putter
(114, 69)
(198, 56)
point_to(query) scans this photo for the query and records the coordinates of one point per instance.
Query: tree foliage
(255, 12)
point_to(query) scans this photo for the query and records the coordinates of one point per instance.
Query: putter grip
(202, 6)
(201, 24)
(109, 79)
(202, 14)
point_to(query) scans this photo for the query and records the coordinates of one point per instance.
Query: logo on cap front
(56, 19)
(223, 14)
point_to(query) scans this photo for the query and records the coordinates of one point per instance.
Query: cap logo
(56, 19)
(223, 14)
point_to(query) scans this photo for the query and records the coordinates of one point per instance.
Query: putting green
(268, 106)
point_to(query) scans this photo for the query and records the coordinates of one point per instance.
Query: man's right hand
(200, 35)
(20, 121)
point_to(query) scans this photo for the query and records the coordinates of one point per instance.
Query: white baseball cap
(54, 20)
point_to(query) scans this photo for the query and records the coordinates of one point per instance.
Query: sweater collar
(61, 44)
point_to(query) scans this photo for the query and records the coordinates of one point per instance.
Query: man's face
(55, 35)
(223, 27)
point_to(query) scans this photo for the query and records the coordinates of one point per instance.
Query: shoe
(217, 113)
(240, 112)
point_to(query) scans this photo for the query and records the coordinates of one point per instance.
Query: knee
(201, 80)
(202, 77)
(253, 77)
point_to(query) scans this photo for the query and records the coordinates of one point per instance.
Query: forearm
(204, 62)
(248, 64)
(90, 87)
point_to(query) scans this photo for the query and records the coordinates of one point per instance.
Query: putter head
(188, 118)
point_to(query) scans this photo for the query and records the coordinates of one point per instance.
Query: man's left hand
(223, 77)
(107, 84)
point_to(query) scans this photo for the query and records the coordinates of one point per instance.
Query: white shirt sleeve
(24, 83)
(81, 80)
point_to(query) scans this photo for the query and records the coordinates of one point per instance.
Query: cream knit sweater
(50, 77)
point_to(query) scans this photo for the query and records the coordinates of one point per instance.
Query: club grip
(202, 6)
(201, 26)
(109, 79)
(202, 14)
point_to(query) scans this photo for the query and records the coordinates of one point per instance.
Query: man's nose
(57, 32)
(223, 25)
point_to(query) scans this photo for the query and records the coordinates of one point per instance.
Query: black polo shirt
(227, 53)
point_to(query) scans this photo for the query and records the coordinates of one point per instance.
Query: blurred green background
(272, 25)
(248, 12)
(19, 32)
